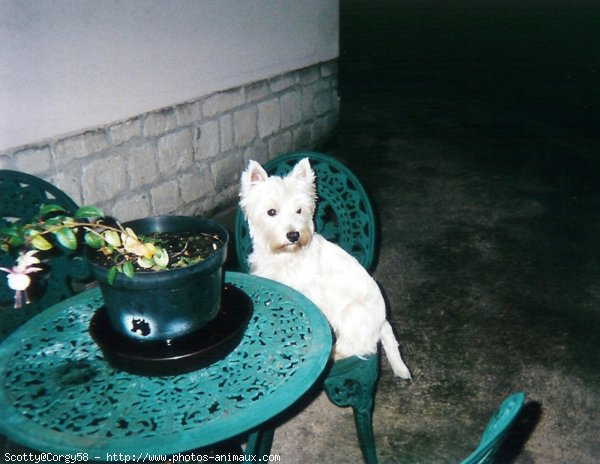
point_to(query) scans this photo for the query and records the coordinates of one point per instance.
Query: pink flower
(17, 276)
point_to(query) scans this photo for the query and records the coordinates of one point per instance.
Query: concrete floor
(490, 217)
(490, 266)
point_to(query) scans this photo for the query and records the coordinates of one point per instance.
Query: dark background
(540, 58)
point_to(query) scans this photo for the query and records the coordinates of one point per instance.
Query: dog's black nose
(293, 236)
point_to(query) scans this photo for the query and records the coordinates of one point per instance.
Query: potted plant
(161, 277)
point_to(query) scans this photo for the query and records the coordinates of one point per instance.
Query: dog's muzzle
(294, 240)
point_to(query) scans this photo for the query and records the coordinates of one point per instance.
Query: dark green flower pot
(165, 305)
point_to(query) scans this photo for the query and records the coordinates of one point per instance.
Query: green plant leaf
(111, 274)
(66, 237)
(52, 208)
(128, 269)
(16, 241)
(40, 243)
(112, 238)
(31, 231)
(88, 212)
(161, 258)
(93, 240)
(9, 231)
(52, 222)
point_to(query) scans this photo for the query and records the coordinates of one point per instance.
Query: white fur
(329, 276)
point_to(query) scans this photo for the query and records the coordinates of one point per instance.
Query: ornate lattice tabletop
(59, 395)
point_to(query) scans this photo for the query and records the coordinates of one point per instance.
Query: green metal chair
(496, 430)
(343, 215)
(21, 196)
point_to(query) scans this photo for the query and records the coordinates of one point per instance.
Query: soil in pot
(184, 249)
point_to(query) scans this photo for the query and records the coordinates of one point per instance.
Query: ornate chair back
(496, 430)
(21, 196)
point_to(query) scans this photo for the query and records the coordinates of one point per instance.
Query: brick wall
(187, 158)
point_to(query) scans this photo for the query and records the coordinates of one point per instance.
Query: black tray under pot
(191, 352)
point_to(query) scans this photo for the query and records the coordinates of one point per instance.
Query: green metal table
(59, 395)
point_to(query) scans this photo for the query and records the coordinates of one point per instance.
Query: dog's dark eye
(299, 211)
(272, 212)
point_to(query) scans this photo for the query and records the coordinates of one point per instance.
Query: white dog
(279, 212)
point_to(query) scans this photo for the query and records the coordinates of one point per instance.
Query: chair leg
(363, 419)
(351, 382)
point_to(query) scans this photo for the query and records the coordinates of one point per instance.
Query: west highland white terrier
(279, 211)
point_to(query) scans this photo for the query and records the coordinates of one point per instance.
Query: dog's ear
(254, 174)
(302, 170)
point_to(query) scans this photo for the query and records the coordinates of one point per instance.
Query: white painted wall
(68, 65)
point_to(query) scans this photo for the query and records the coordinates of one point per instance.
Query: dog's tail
(390, 345)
